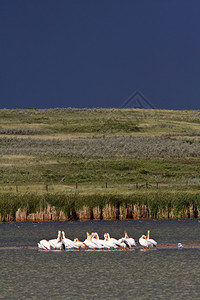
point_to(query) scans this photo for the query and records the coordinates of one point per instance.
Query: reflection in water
(162, 274)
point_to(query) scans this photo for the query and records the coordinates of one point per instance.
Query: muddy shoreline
(161, 246)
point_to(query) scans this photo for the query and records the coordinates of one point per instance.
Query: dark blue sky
(95, 53)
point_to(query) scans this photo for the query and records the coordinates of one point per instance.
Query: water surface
(161, 273)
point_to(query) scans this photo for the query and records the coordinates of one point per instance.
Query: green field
(99, 152)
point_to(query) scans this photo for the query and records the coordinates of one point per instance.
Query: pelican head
(144, 236)
(63, 234)
(96, 235)
(106, 236)
(126, 235)
(93, 235)
(76, 240)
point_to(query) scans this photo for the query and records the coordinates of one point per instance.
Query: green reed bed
(10, 203)
(150, 204)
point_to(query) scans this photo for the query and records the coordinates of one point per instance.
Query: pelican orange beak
(126, 235)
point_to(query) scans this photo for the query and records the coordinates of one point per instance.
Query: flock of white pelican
(93, 242)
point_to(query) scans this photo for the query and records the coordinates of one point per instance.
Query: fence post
(136, 185)
(17, 188)
(147, 185)
(157, 185)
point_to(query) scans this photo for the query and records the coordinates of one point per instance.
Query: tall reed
(148, 204)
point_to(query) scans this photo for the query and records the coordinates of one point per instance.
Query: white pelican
(129, 240)
(111, 242)
(78, 244)
(89, 242)
(102, 244)
(152, 243)
(121, 243)
(56, 244)
(112, 239)
(125, 243)
(67, 243)
(98, 244)
(44, 245)
(143, 241)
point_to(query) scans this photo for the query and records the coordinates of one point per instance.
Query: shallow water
(161, 273)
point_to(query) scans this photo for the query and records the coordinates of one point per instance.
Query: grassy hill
(99, 151)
